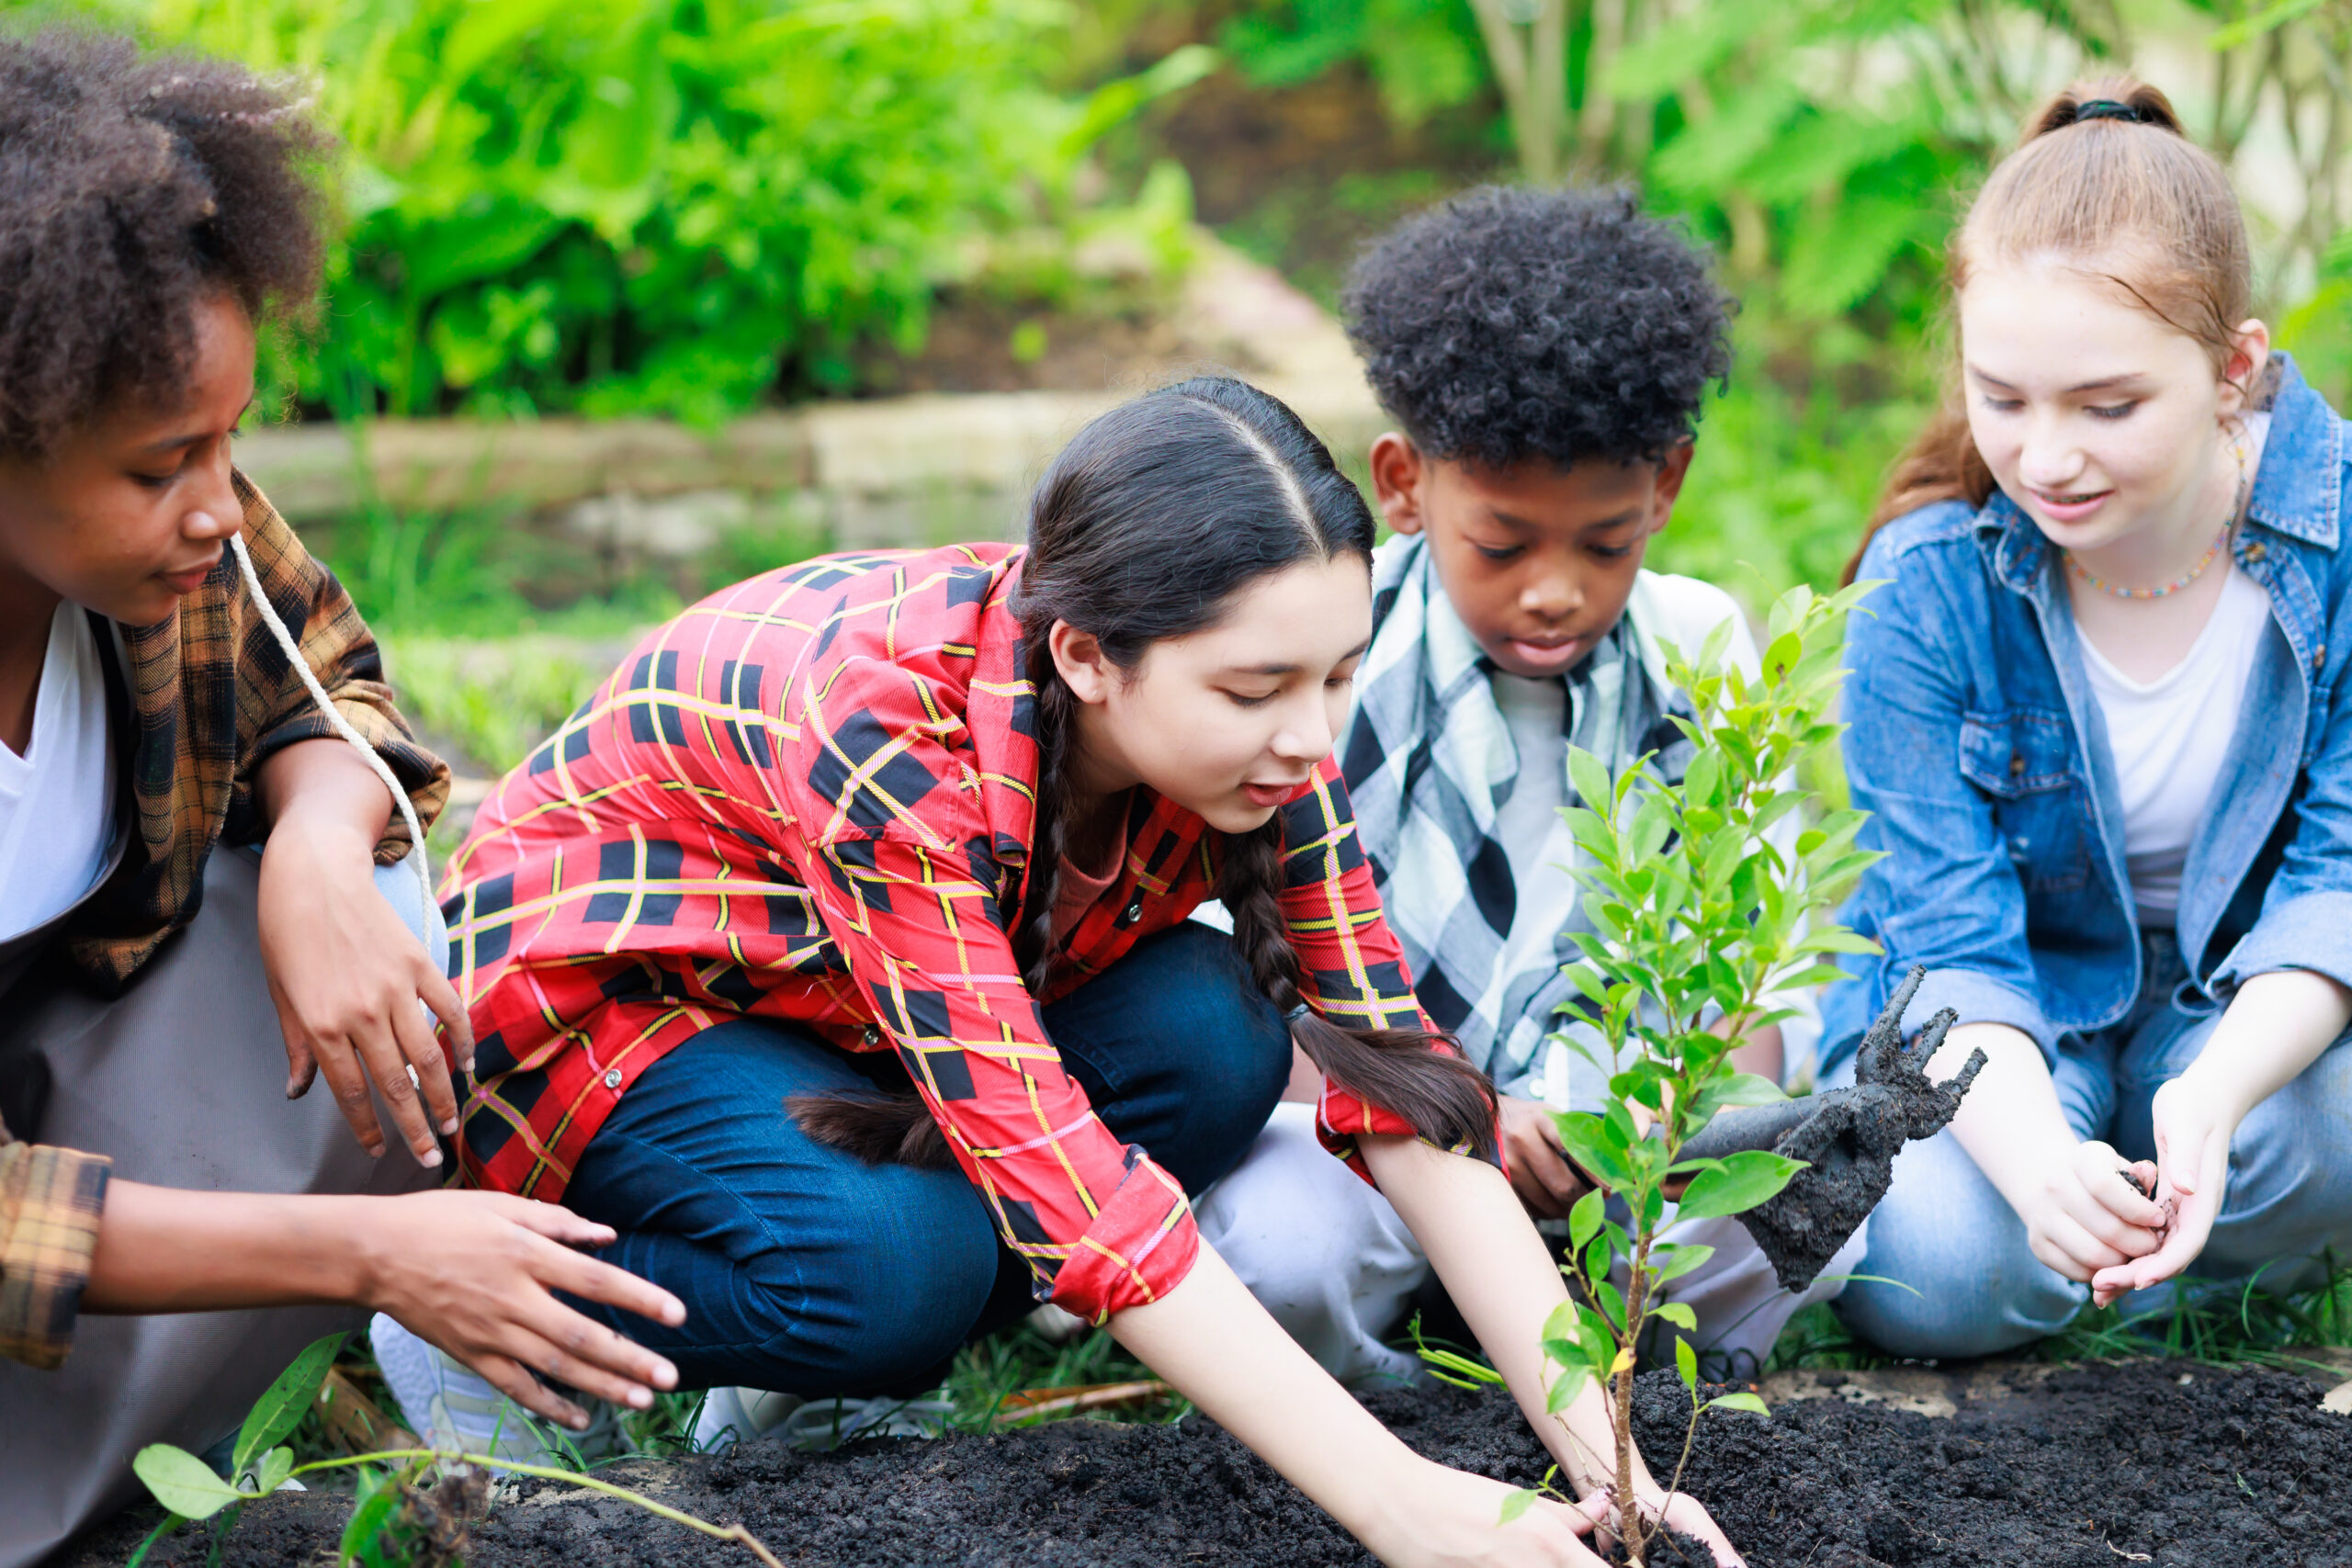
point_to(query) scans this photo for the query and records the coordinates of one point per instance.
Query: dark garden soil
(2169, 1464)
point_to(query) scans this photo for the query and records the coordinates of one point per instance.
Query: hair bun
(2106, 108)
(2124, 98)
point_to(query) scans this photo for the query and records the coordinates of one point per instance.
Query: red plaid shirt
(811, 797)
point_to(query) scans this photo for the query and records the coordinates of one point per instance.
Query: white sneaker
(735, 1415)
(450, 1406)
(729, 1415)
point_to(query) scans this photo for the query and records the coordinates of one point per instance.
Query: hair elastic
(2108, 109)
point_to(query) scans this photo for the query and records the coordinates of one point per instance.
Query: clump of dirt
(2168, 1463)
(1849, 1138)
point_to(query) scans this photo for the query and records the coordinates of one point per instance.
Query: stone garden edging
(912, 470)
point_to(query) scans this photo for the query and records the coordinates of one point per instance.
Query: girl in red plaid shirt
(836, 954)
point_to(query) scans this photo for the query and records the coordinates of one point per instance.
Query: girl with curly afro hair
(200, 851)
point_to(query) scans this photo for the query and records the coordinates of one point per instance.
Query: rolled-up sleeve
(881, 777)
(1947, 888)
(49, 1204)
(2306, 920)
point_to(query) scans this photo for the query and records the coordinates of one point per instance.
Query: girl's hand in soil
(2087, 1214)
(476, 1273)
(1540, 1172)
(1687, 1514)
(1435, 1517)
(346, 975)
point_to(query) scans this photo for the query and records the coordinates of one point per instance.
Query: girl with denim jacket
(2096, 716)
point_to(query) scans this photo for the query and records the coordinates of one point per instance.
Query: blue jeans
(805, 1270)
(1945, 1231)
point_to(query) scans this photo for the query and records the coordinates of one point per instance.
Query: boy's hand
(347, 978)
(2088, 1213)
(1540, 1172)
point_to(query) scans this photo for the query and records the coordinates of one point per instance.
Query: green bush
(666, 205)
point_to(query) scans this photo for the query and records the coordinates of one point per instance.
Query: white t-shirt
(57, 800)
(1536, 838)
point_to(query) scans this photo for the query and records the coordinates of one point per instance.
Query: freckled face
(131, 514)
(1230, 720)
(2099, 420)
(1537, 560)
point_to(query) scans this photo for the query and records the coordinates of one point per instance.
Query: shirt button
(2257, 551)
(2017, 764)
(612, 1077)
(1135, 912)
(873, 1034)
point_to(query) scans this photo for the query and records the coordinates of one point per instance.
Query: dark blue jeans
(807, 1272)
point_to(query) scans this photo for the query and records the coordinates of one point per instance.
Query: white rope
(342, 726)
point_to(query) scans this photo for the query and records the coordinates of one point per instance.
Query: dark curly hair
(132, 189)
(1508, 324)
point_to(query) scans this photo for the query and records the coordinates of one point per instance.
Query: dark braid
(1448, 1102)
(1056, 710)
(1144, 528)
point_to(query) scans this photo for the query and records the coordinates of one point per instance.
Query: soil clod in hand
(1849, 1138)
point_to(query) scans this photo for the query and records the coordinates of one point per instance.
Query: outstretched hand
(476, 1273)
(2193, 1132)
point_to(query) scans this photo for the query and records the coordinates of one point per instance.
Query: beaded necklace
(2212, 552)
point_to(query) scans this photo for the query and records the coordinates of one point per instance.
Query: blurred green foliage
(1824, 149)
(612, 205)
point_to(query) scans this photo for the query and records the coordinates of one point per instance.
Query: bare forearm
(2010, 1121)
(1210, 1338)
(326, 784)
(2276, 1026)
(163, 1249)
(1503, 1278)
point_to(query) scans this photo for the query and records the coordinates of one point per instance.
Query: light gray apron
(182, 1080)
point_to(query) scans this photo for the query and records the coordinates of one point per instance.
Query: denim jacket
(1981, 756)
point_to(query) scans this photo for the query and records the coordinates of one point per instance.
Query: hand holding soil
(2193, 1129)
(2090, 1212)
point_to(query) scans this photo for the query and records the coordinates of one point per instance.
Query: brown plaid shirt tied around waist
(208, 696)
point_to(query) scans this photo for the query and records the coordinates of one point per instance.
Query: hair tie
(2108, 109)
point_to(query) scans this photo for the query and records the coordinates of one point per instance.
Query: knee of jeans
(2294, 1150)
(891, 1291)
(1964, 1281)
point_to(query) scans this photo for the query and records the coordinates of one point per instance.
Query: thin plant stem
(735, 1532)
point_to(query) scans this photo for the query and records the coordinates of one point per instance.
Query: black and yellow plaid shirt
(211, 696)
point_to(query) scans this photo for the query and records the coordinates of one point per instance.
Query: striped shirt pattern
(811, 796)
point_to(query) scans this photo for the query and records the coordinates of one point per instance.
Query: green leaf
(1743, 1400)
(1679, 1314)
(1740, 1089)
(1582, 1136)
(280, 1409)
(1590, 779)
(183, 1482)
(275, 1466)
(1738, 1185)
(1584, 1220)
(1686, 1362)
(1671, 1262)
(1517, 1503)
(369, 1519)
(1571, 1383)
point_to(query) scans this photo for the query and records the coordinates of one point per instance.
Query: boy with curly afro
(1545, 353)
